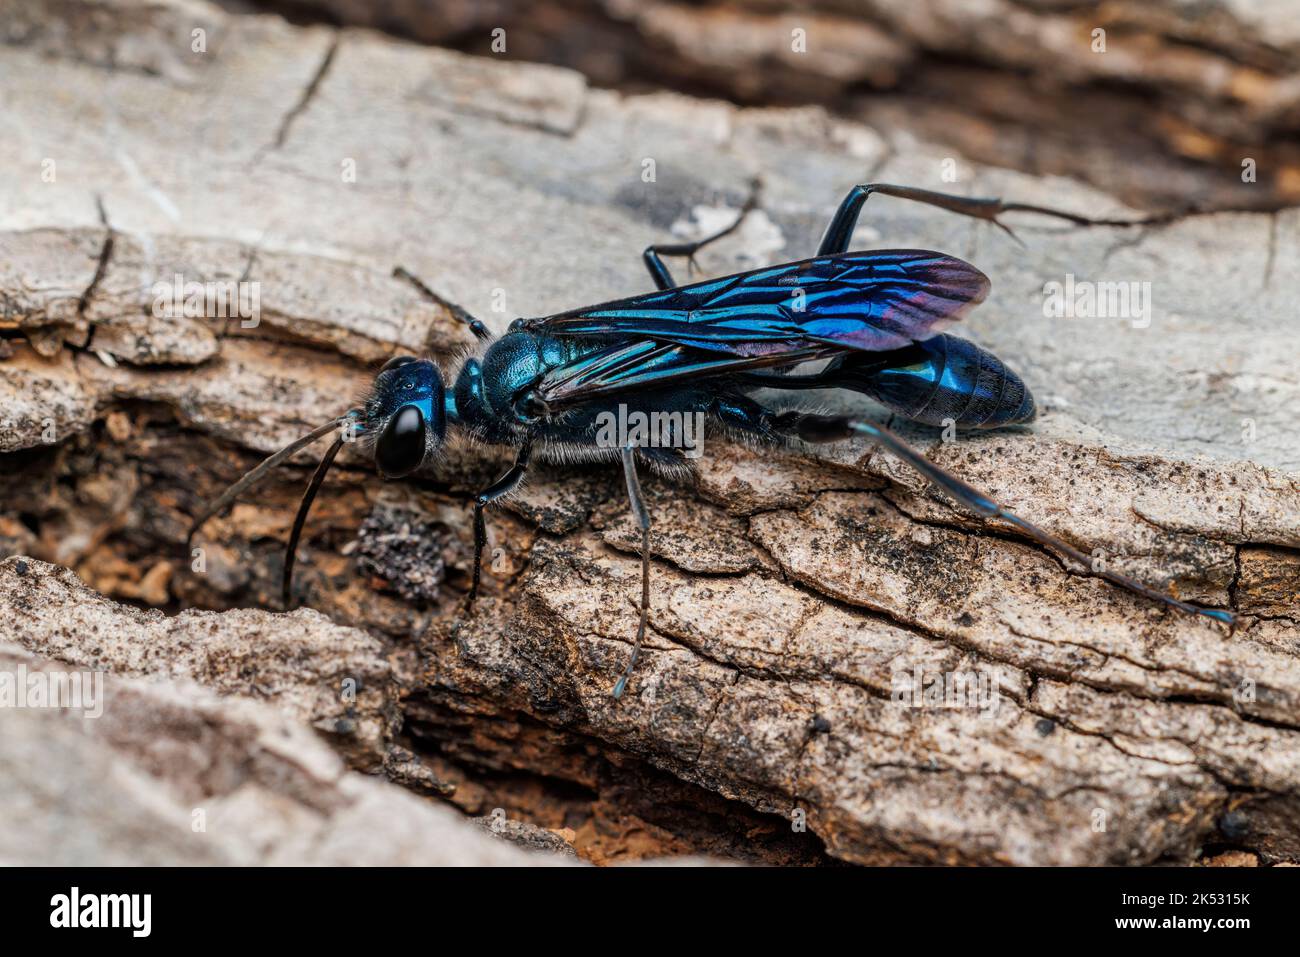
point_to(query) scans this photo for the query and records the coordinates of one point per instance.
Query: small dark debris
(21, 568)
(820, 725)
(546, 705)
(966, 619)
(1044, 726)
(529, 836)
(406, 550)
(405, 768)
(1234, 826)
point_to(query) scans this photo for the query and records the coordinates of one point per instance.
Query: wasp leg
(809, 427)
(839, 233)
(642, 516)
(663, 279)
(502, 487)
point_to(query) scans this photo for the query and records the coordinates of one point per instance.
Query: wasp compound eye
(396, 361)
(400, 447)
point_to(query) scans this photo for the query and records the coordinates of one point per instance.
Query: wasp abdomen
(943, 379)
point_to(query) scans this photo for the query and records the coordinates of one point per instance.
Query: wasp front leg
(502, 487)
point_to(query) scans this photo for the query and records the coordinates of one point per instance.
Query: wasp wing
(646, 364)
(869, 301)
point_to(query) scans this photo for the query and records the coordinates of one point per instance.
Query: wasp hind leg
(808, 427)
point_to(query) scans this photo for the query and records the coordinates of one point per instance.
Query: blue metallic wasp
(866, 321)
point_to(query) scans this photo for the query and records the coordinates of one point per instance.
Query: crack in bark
(953, 640)
(101, 267)
(308, 93)
(1198, 760)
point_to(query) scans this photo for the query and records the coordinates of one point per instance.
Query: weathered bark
(791, 589)
(166, 771)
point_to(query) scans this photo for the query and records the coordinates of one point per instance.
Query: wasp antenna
(251, 478)
(286, 588)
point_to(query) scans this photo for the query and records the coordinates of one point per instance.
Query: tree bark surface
(792, 590)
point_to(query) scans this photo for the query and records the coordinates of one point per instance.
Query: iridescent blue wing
(645, 364)
(869, 301)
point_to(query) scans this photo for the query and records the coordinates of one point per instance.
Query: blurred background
(1163, 103)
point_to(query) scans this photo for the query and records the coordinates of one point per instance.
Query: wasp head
(405, 412)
